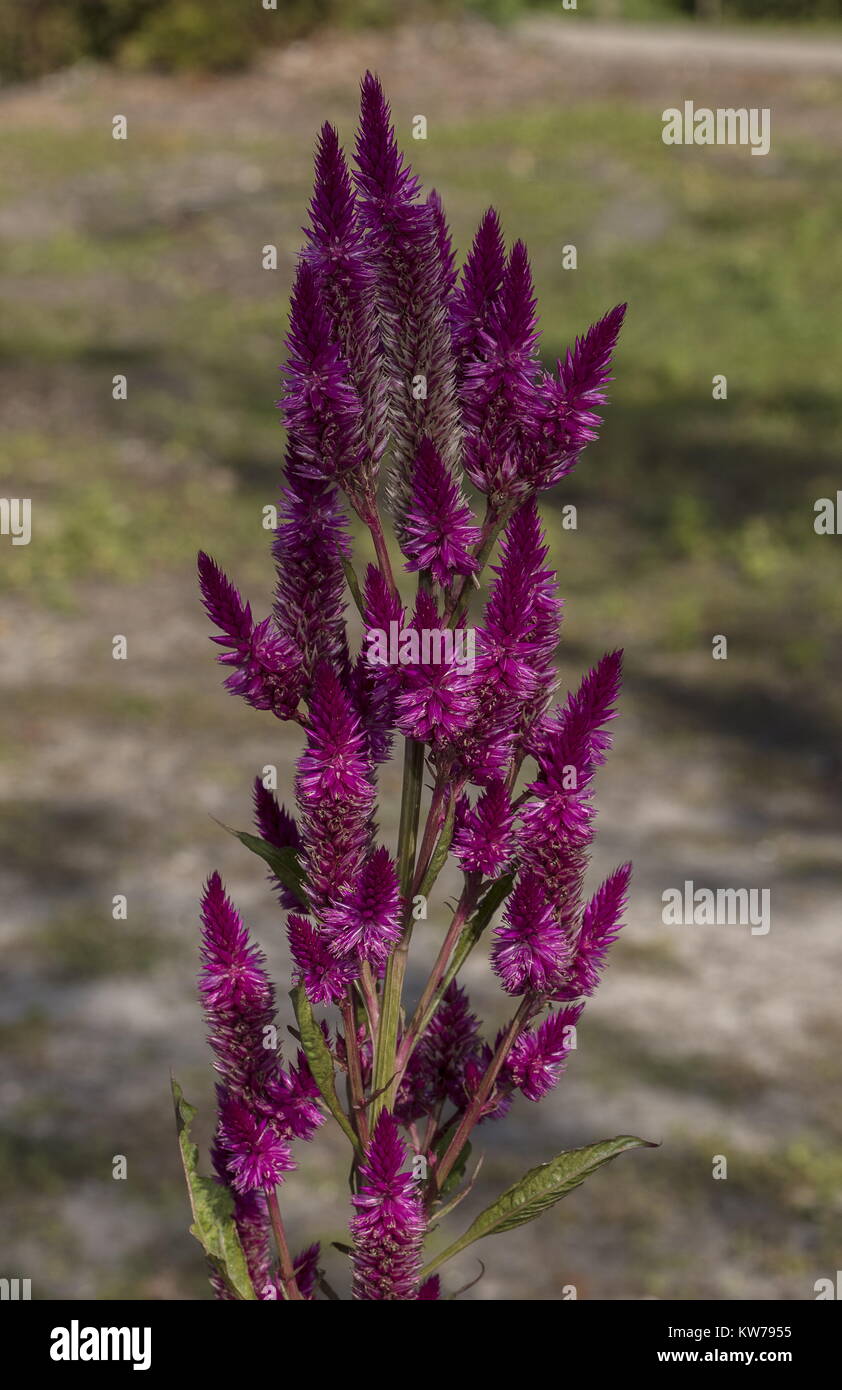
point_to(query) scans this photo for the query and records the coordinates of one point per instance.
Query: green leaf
(440, 852)
(538, 1190)
(471, 933)
(284, 863)
(354, 585)
(213, 1208)
(320, 1061)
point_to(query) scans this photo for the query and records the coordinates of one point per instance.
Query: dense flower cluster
(391, 354)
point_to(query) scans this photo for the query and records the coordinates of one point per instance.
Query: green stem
(493, 522)
(368, 989)
(474, 1110)
(358, 1116)
(436, 814)
(431, 998)
(387, 1032)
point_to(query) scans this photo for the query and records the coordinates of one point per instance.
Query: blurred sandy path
(695, 47)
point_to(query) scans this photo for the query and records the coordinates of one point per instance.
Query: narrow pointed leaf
(320, 1061)
(283, 862)
(457, 1172)
(354, 585)
(440, 852)
(213, 1208)
(538, 1190)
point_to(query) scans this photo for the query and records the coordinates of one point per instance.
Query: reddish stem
(371, 516)
(464, 908)
(474, 1110)
(359, 1118)
(288, 1279)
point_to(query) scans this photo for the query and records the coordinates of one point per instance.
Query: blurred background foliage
(38, 36)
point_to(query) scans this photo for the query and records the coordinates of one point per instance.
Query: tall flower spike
(335, 793)
(498, 390)
(320, 406)
(376, 679)
(267, 666)
(475, 299)
(516, 662)
(253, 1134)
(557, 818)
(438, 695)
(564, 417)
(334, 763)
(441, 1065)
(309, 547)
(542, 620)
(530, 950)
(522, 614)
(337, 251)
(601, 925)
(405, 243)
(452, 1040)
(575, 737)
(236, 992)
(388, 1229)
(444, 243)
(382, 610)
(439, 527)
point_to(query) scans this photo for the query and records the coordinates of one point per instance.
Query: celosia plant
(395, 362)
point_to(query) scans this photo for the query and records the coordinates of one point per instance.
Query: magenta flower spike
(320, 405)
(440, 534)
(474, 301)
(409, 247)
(485, 840)
(266, 664)
(539, 1055)
(338, 252)
(366, 924)
(323, 974)
(530, 950)
(601, 925)
(394, 354)
(564, 416)
(310, 546)
(257, 1158)
(388, 1229)
(335, 792)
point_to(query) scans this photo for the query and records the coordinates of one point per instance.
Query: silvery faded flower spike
(376, 307)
